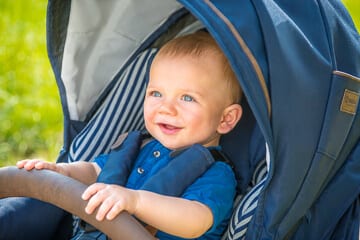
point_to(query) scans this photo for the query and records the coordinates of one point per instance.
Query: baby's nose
(168, 107)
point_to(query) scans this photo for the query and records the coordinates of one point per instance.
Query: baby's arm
(173, 215)
(84, 172)
(176, 216)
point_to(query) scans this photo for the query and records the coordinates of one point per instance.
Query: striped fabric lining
(121, 112)
(245, 206)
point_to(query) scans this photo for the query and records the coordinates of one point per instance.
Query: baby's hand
(30, 164)
(110, 200)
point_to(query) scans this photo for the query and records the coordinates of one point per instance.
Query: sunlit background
(31, 117)
(30, 111)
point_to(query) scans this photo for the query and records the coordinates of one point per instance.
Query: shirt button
(140, 170)
(156, 154)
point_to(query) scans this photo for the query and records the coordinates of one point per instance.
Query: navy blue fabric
(215, 187)
(348, 225)
(216, 190)
(120, 160)
(180, 172)
(245, 151)
(27, 218)
(248, 24)
(342, 221)
(171, 173)
(193, 162)
(57, 18)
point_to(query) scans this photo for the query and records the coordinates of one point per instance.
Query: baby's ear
(231, 116)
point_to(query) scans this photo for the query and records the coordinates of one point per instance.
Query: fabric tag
(349, 102)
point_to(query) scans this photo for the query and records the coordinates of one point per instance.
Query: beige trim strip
(347, 75)
(247, 52)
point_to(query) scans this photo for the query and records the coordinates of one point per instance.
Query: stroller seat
(298, 65)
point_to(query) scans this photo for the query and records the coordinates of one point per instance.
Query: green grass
(30, 115)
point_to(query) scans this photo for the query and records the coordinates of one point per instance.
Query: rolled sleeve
(216, 189)
(101, 160)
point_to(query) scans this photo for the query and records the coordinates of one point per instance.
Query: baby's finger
(95, 195)
(104, 208)
(91, 190)
(94, 202)
(40, 165)
(21, 163)
(45, 165)
(27, 164)
(115, 210)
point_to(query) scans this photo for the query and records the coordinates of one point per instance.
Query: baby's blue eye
(188, 98)
(155, 94)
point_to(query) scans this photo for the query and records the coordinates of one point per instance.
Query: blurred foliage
(30, 115)
(353, 7)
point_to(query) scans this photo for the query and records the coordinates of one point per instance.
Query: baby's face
(185, 100)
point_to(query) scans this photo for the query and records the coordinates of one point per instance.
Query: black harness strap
(221, 156)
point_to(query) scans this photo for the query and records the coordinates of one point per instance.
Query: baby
(192, 98)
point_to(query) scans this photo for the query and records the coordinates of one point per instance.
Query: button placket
(156, 154)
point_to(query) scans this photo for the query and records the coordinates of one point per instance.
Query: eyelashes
(155, 94)
(188, 98)
(185, 97)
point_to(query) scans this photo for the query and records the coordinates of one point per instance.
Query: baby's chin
(175, 147)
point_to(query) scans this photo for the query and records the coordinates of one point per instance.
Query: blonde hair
(199, 44)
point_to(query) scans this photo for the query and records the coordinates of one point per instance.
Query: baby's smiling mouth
(168, 129)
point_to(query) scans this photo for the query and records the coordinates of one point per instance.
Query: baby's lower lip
(168, 129)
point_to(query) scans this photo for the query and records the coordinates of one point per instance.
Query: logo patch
(349, 102)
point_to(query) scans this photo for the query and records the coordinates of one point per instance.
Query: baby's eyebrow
(149, 87)
(192, 91)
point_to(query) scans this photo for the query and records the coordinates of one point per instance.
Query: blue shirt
(215, 188)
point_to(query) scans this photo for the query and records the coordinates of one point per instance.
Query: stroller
(296, 151)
